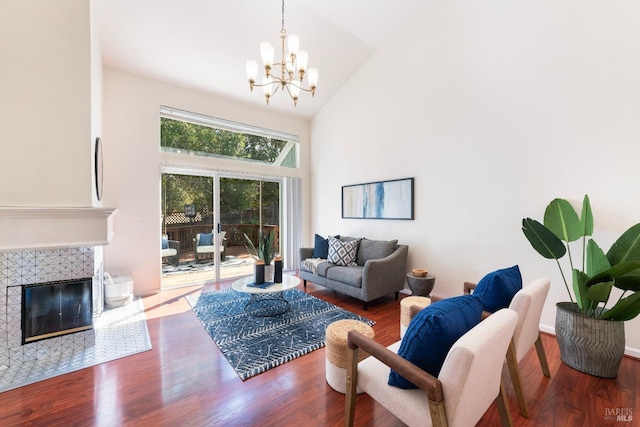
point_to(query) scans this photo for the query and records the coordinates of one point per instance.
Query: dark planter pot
(421, 286)
(589, 345)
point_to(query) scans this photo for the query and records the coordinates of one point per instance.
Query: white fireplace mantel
(55, 227)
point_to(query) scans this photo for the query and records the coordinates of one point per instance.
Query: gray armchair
(170, 251)
(204, 247)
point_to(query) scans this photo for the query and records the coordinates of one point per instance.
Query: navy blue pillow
(165, 242)
(206, 239)
(498, 288)
(321, 246)
(433, 331)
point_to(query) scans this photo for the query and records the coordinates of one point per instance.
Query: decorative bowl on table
(419, 272)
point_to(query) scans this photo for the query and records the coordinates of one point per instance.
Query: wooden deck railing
(235, 233)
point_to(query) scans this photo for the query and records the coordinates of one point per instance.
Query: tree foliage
(203, 139)
(239, 198)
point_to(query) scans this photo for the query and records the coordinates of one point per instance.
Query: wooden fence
(185, 233)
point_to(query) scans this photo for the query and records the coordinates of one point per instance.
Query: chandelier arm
(274, 82)
(288, 91)
(277, 82)
(306, 90)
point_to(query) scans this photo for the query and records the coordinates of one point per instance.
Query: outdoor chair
(527, 303)
(170, 250)
(467, 384)
(204, 246)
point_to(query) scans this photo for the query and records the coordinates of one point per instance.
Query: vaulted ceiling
(204, 44)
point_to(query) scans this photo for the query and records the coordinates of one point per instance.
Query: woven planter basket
(589, 345)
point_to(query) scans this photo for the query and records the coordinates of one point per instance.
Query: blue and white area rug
(252, 344)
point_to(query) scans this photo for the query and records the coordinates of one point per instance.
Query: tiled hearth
(24, 267)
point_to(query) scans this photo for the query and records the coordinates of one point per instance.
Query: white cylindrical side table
(336, 351)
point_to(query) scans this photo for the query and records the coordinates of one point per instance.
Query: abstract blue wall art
(379, 200)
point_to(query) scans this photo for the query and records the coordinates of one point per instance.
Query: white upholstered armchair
(468, 383)
(527, 303)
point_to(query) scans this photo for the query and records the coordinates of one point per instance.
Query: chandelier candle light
(293, 68)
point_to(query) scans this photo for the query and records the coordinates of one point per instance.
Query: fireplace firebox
(56, 308)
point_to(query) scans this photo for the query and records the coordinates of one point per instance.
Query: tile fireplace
(28, 268)
(49, 244)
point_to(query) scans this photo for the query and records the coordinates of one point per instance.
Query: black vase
(258, 276)
(277, 273)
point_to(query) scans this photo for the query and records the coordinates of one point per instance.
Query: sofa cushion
(433, 331)
(343, 253)
(375, 249)
(165, 242)
(206, 239)
(324, 267)
(351, 276)
(169, 252)
(498, 288)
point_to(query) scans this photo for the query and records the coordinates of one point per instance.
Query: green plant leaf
(267, 246)
(615, 272)
(625, 309)
(627, 247)
(628, 283)
(586, 217)
(251, 247)
(600, 291)
(562, 220)
(597, 261)
(543, 240)
(580, 289)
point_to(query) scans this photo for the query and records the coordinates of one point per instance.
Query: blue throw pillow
(165, 242)
(498, 288)
(321, 246)
(433, 331)
(206, 239)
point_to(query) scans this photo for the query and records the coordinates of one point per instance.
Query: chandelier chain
(283, 14)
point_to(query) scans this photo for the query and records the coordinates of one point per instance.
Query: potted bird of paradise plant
(266, 250)
(590, 329)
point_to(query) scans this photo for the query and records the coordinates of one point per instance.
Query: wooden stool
(405, 310)
(336, 346)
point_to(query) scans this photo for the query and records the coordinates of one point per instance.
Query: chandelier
(293, 68)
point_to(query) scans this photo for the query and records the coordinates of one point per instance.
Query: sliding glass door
(206, 218)
(246, 206)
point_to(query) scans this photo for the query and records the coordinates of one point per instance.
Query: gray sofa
(381, 269)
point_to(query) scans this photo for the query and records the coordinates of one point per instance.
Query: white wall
(46, 111)
(495, 108)
(133, 161)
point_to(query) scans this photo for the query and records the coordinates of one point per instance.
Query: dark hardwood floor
(185, 381)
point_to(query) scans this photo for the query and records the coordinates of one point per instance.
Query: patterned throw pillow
(343, 253)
